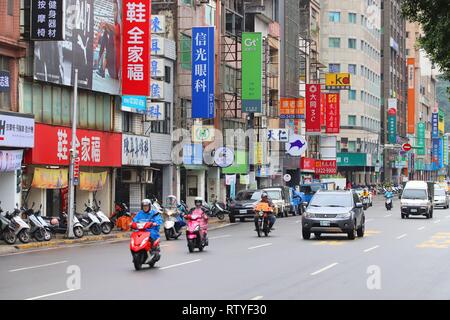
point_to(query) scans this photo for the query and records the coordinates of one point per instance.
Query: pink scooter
(197, 230)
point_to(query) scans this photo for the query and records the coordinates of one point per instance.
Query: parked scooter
(105, 224)
(142, 249)
(120, 210)
(197, 231)
(218, 210)
(21, 228)
(59, 225)
(89, 221)
(37, 229)
(6, 229)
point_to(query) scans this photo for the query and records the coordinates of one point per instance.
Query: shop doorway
(155, 189)
(53, 202)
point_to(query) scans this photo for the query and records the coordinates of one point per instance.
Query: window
(351, 146)
(185, 52)
(352, 17)
(334, 42)
(352, 120)
(352, 43)
(189, 2)
(126, 122)
(352, 95)
(334, 16)
(10, 7)
(167, 74)
(334, 67)
(162, 126)
(407, 34)
(210, 13)
(352, 68)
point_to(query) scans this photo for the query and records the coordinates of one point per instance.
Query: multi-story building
(394, 86)
(350, 43)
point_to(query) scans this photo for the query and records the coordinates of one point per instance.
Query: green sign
(392, 129)
(445, 153)
(240, 165)
(252, 72)
(347, 159)
(420, 144)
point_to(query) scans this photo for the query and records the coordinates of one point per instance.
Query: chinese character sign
(203, 72)
(135, 150)
(158, 24)
(435, 125)
(332, 115)
(155, 111)
(325, 167)
(313, 108)
(47, 20)
(136, 47)
(392, 125)
(4, 81)
(436, 145)
(252, 72)
(420, 145)
(445, 150)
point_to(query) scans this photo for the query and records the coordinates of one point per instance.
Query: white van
(417, 199)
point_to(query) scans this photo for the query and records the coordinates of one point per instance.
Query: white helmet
(198, 199)
(146, 202)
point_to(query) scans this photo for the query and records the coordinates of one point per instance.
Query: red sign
(313, 108)
(406, 147)
(322, 109)
(333, 116)
(325, 167)
(95, 148)
(76, 168)
(136, 16)
(307, 164)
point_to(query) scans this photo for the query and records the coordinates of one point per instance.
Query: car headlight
(308, 214)
(423, 208)
(344, 215)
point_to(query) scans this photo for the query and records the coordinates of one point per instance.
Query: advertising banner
(322, 109)
(251, 72)
(10, 160)
(411, 95)
(50, 178)
(307, 164)
(434, 125)
(313, 108)
(435, 150)
(332, 115)
(91, 181)
(420, 145)
(441, 123)
(325, 167)
(203, 72)
(95, 148)
(92, 45)
(445, 150)
(136, 104)
(292, 108)
(135, 150)
(337, 81)
(16, 131)
(47, 20)
(392, 128)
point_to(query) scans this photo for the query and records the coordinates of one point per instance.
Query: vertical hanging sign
(445, 149)
(332, 114)
(136, 16)
(420, 139)
(411, 95)
(313, 108)
(203, 72)
(392, 120)
(252, 72)
(434, 125)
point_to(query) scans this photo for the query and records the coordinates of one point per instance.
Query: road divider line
(260, 246)
(257, 298)
(324, 269)
(401, 236)
(179, 264)
(421, 228)
(388, 215)
(51, 294)
(372, 248)
(220, 237)
(437, 221)
(38, 266)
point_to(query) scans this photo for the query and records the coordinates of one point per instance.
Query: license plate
(242, 211)
(324, 223)
(413, 210)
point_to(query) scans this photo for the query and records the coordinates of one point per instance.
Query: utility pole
(73, 158)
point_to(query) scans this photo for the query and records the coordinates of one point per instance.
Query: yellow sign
(50, 178)
(92, 181)
(259, 153)
(202, 133)
(338, 81)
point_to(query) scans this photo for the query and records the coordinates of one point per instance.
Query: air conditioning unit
(129, 176)
(147, 176)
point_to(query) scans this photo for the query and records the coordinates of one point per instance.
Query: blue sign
(156, 24)
(441, 153)
(435, 125)
(4, 81)
(136, 104)
(203, 72)
(193, 153)
(435, 153)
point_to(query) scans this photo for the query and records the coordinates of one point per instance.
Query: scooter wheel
(191, 246)
(9, 237)
(96, 230)
(39, 235)
(78, 232)
(167, 234)
(47, 235)
(106, 227)
(23, 236)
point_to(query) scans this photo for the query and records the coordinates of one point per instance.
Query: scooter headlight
(169, 212)
(197, 228)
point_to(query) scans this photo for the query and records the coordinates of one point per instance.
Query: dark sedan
(242, 206)
(334, 212)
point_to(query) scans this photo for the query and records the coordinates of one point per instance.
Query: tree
(434, 18)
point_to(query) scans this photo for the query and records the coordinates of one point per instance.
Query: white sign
(157, 68)
(157, 90)
(328, 147)
(157, 46)
(392, 103)
(224, 157)
(281, 135)
(202, 133)
(230, 179)
(10, 160)
(155, 111)
(16, 131)
(287, 177)
(135, 150)
(158, 24)
(296, 146)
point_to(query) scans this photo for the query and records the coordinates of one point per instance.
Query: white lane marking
(437, 221)
(298, 221)
(260, 246)
(368, 220)
(220, 237)
(388, 215)
(38, 266)
(51, 294)
(421, 228)
(220, 227)
(401, 236)
(370, 249)
(257, 298)
(164, 245)
(179, 264)
(324, 269)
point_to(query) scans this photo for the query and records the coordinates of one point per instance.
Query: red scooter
(197, 230)
(142, 250)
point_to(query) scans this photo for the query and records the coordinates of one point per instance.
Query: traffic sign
(406, 147)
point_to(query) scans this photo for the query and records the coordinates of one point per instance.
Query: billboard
(411, 95)
(47, 20)
(292, 108)
(92, 45)
(313, 108)
(203, 72)
(332, 114)
(337, 81)
(251, 72)
(420, 145)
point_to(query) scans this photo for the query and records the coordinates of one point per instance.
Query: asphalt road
(397, 259)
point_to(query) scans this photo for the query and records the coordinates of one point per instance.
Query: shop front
(46, 174)
(307, 170)
(358, 168)
(16, 135)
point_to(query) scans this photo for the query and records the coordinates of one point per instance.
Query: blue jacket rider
(388, 194)
(148, 215)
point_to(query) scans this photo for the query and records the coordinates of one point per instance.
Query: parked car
(334, 212)
(281, 198)
(242, 205)
(441, 198)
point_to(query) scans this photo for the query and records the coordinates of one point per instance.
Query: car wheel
(352, 234)
(306, 234)
(317, 235)
(403, 216)
(361, 230)
(232, 219)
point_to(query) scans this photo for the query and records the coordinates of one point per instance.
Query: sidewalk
(59, 240)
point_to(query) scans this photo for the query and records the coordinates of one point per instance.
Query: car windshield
(414, 194)
(331, 200)
(439, 192)
(274, 194)
(246, 195)
(309, 189)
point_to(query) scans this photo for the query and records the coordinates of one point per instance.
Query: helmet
(146, 202)
(264, 195)
(198, 199)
